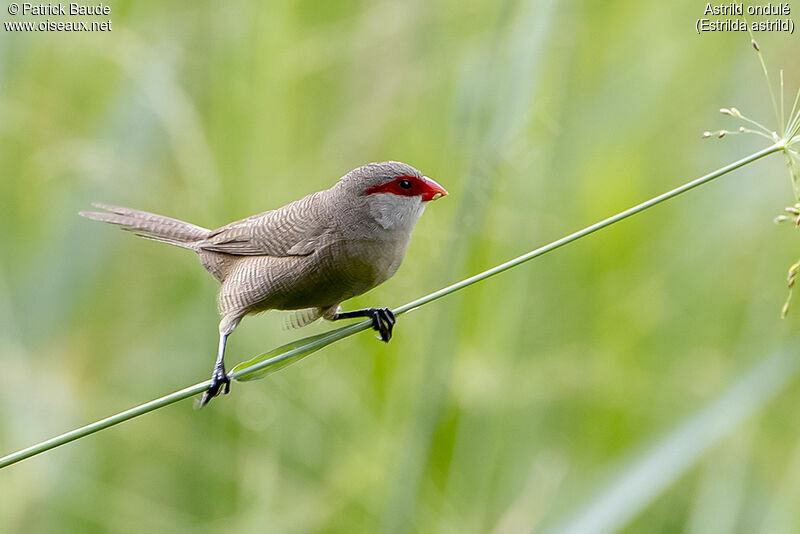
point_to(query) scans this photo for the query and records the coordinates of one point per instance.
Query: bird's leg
(220, 383)
(382, 319)
(219, 378)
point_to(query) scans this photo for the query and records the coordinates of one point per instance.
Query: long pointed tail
(150, 225)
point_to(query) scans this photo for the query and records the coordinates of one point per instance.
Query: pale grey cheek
(395, 213)
(380, 210)
(384, 220)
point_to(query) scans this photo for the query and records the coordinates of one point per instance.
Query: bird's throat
(395, 213)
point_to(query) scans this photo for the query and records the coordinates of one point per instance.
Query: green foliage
(498, 409)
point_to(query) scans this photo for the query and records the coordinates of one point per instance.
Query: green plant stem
(341, 333)
(590, 229)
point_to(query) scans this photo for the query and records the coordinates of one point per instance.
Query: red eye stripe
(393, 186)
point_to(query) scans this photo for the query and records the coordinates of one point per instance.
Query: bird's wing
(297, 229)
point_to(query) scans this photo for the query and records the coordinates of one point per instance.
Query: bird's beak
(432, 190)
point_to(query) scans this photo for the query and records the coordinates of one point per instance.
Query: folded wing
(297, 229)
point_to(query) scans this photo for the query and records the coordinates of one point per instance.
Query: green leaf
(285, 355)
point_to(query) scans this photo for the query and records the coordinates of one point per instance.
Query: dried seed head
(779, 219)
(736, 113)
(741, 129)
(725, 111)
(721, 134)
(785, 310)
(706, 134)
(755, 45)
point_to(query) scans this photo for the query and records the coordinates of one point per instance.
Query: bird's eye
(405, 184)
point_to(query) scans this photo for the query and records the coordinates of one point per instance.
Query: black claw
(220, 383)
(376, 321)
(383, 321)
(390, 320)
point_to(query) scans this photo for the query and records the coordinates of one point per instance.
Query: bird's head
(394, 193)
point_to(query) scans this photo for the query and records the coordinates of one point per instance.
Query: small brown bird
(309, 255)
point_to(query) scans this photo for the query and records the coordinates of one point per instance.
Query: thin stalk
(102, 424)
(793, 118)
(766, 76)
(335, 335)
(783, 120)
(768, 133)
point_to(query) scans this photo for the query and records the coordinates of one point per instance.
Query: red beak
(432, 190)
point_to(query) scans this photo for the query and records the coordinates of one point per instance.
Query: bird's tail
(150, 225)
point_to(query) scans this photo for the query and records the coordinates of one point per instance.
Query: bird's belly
(325, 278)
(342, 271)
(361, 265)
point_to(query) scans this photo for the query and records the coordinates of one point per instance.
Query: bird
(308, 256)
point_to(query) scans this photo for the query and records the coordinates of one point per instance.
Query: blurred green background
(505, 408)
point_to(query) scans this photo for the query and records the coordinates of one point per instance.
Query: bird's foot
(382, 322)
(220, 383)
(382, 319)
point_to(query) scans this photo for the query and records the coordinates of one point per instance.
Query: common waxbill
(309, 255)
